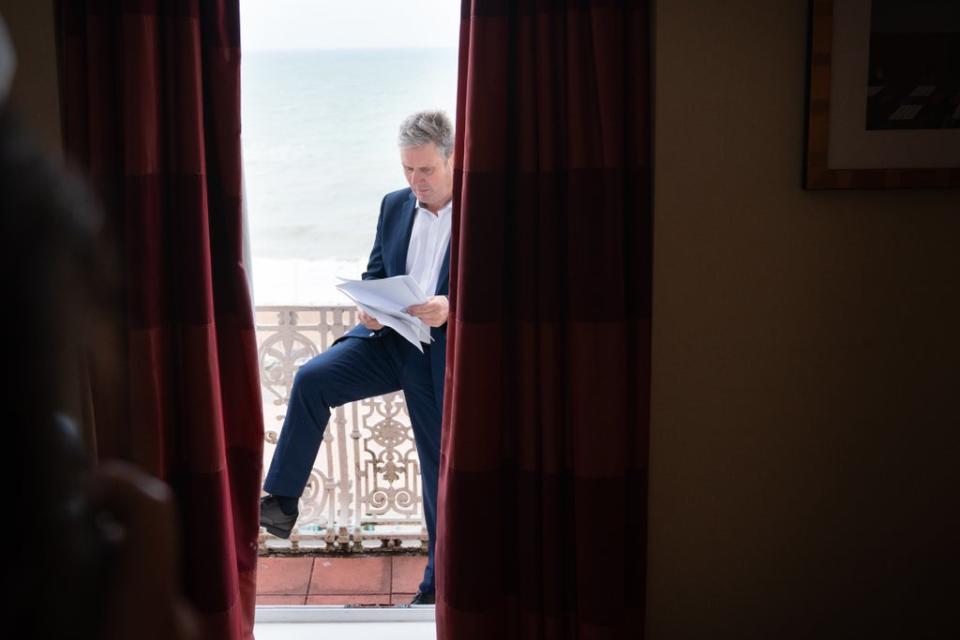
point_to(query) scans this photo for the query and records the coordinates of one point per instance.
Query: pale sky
(338, 24)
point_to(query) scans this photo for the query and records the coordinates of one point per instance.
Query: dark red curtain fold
(542, 526)
(151, 103)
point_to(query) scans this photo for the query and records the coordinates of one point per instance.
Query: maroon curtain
(151, 103)
(542, 525)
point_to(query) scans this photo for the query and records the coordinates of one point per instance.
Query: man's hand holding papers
(434, 311)
(368, 321)
(387, 300)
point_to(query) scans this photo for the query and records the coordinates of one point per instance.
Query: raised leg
(351, 370)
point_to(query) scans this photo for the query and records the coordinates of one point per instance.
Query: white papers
(386, 299)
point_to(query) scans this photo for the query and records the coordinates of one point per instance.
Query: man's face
(428, 174)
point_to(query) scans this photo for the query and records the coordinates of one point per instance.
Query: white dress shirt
(428, 246)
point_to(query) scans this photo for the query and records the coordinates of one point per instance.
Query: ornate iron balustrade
(364, 489)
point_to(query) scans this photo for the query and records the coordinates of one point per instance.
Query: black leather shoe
(274, 520)
(424, 598)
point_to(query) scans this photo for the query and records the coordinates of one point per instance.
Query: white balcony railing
(364, 488)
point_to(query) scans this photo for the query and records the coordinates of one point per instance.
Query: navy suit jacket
(389, 258)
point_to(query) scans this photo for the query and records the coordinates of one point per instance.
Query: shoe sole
(280, 533)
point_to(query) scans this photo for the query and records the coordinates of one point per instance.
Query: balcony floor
(373, 580)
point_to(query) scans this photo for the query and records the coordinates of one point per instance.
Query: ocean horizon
(320, 152)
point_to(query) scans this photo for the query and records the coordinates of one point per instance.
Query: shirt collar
(444, 210)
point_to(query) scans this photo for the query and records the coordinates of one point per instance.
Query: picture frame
(865, 127)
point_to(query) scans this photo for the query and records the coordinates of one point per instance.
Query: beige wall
(34, 94)
(806, 374)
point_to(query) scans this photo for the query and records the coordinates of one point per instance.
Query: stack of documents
(387, 299)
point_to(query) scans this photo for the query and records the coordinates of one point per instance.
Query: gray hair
(425, 127)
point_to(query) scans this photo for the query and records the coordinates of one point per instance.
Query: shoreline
(302, 282)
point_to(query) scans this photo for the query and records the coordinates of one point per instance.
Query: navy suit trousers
(354, 369)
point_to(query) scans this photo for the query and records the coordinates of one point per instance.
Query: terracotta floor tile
(401, 598)
(283, 576)
(361, 598)
(281, 599)
(407, 573)
(350, 576)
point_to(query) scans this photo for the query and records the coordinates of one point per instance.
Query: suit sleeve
(375, 268)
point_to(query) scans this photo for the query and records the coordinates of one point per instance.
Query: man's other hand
(433, 312)
(368, 321)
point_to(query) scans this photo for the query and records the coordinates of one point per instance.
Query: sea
(319, 132)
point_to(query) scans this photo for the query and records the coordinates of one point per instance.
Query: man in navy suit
(413, 237)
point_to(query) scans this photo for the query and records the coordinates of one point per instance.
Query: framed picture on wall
(883, 94)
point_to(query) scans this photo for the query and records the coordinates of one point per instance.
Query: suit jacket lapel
(407, 218)
(443, 280)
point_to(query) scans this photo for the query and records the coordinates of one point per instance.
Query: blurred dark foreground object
(94, 552)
